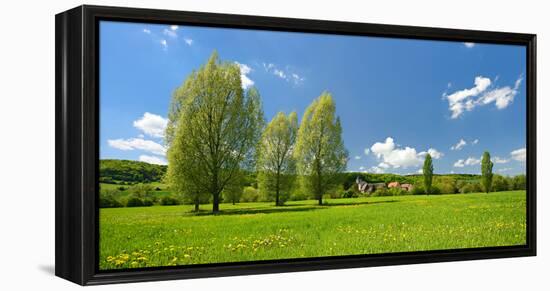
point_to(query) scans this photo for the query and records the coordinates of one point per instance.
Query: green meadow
(137, 237)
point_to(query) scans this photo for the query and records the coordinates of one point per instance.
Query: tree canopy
(428, 171)
(214, 126)
(486, 172)
(276, 165)
(320, 151)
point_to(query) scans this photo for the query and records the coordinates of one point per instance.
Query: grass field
(173, 235)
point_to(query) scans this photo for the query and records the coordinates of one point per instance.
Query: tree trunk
(197, 205)
(216, 203)
(277, 190)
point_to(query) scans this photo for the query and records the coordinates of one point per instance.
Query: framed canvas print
(198, 144)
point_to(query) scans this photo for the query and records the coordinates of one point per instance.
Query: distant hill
(117, 171)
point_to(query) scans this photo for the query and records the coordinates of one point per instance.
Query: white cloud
(361, 168)
(504, 170)
(459, 100)
(279, 73)
(151, 124)
(435, 154)
(469, 44)
(420, 171)
(152, 160)
(164, 43)
(467, 99)
(357, 157)
(519, 154)
(471, 161)
(396, 157)
(499, 160)
(283, 74)
(147, 31)
(367, 151)
(475, 141)
(174, 27)
(188, 41)
(138, 144)
(245, 80)
(172, 33)
(458, 146)
(383, 165)
(376, 170)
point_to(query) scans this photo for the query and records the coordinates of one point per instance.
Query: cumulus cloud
(152, 160)
(151, 124)
(475, 141)
(481, 94)
(357, 157)
(147, 31)
(188, 41)
(469, 44)
(504, 170)
(519, 155)
(433, 153)
(245, 80)
(392, 155)
(138, 144)
(367, 151)
(164, 43)
(471, 161)
(459, 145)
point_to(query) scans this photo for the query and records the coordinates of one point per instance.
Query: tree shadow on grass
(282, 209)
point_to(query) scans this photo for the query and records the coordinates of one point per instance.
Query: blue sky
(398, 99)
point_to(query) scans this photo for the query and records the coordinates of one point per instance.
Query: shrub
(435, 190)
(158, 189)
(109, 202)
(148, 202)
(134, 202)
(121, 188)
(380, 192)
(446, 188)
(396, 192)
(250, 194)
(169, 200)
(418, 190)
(473, 187)
(349, 194)
(141, 190)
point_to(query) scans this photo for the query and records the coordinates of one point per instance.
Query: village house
(365, 187)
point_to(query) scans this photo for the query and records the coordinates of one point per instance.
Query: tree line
(216, 132)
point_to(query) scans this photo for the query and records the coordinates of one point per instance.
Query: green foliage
(169, 200)
(418, 190)
(125, 171)
(250, 194)
(213, 128)
(320, 151)
(473, 187)
(276, 165)
(134, 202)
(141, 190)
(427, 172)
(486, 172)
(107, 199)
(519, 182)
(234, 190)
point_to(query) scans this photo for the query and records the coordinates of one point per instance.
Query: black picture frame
(77, 147)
